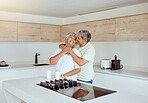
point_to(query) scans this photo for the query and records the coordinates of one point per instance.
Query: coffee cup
(58, 75)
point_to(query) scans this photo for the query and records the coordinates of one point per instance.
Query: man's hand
(63, 76)
(71, 73)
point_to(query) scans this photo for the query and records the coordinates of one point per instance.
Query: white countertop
(133, 72)
(27, 90)
(23, 66)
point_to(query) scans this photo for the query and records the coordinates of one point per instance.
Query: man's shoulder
(90, 46)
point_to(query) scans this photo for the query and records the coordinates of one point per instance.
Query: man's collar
(85, 45)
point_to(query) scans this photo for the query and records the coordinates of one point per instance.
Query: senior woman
(63, 61)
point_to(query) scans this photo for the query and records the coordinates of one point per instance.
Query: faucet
(36, 57)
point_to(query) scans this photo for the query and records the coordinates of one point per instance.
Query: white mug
(48, 75)
(58, 75)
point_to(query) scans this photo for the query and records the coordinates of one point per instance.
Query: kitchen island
(129, 79)
(19, 71)
(28, 91)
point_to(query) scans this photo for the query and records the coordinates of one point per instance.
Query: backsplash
(132, 53)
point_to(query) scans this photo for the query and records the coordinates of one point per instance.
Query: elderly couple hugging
(72, 63)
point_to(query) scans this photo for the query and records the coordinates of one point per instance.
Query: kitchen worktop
(128, 71)
(24, 65)
(28, 91)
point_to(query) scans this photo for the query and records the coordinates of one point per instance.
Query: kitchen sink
(40, 64)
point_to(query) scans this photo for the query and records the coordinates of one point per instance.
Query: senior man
(87, 59)
(63, 61)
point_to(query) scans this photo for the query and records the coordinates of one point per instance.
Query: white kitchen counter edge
(97, 69)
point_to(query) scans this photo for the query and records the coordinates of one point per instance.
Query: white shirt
(66, 63)
(87, 71)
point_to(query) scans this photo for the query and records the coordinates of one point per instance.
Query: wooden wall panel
(8, 31)
(132, 28)
(28, 32)
(68, 28)
(103, 30)
(50, 33)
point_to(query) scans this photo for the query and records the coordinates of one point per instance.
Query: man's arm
(71, 73)
(53, 60)
(80, 61)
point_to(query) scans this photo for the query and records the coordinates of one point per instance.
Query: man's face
(71, 40)
(79, 39)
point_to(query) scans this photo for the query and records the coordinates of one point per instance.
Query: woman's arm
(71, 73)
(55, 59)
(62, 46)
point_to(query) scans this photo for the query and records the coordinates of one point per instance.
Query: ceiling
(63, 8)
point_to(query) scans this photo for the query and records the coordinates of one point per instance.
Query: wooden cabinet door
(8, 31)
(65, 29)
(103, 30)
(50, 33)
(28, 32)
(132, 28)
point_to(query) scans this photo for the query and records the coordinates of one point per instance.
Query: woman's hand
(62, 46)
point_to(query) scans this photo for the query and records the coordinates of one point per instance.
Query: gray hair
(71, 33)
(85, 34)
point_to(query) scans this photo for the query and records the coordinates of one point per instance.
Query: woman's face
(71, 40)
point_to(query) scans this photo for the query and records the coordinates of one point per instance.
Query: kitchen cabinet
(50, 33)
(8, 31)
(28, 32)
(132, 28)
(102, 30)
(121, 83)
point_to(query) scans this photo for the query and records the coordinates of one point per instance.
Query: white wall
(134, 53)
(25, 51)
